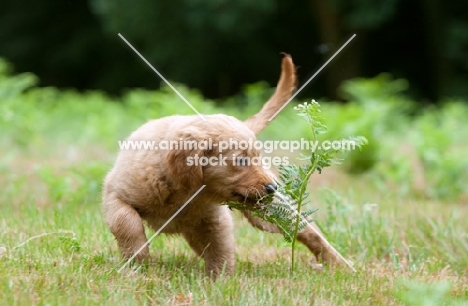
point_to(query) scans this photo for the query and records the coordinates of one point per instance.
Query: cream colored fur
(151, 185)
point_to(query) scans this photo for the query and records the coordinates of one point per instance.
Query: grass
(400, 247)
(409, 248)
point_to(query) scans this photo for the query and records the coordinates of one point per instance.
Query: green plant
(285, 209)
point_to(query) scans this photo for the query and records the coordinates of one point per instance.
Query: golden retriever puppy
(151, 185)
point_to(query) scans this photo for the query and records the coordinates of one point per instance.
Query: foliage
(440, 149)
(281, 211)
(411, 151)
(376, 107)
(195, 43)
(208, 44)
(285, 208)
(364, 14)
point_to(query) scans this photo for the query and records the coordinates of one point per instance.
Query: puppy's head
(242, 177)
(230, 170)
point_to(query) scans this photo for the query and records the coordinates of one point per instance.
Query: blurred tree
(219, 45)
(208, 44)
(454, 32)
(413, 39)
(234, 42)
(337, 21)
(62, 43)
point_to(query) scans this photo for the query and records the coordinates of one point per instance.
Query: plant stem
(304, 183)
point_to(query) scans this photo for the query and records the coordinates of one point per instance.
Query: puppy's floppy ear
(184, 170)
(286, 85)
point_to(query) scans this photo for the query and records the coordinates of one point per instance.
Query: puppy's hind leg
(310, 236)
(127, 227)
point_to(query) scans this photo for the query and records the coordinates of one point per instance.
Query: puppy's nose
(271, 188)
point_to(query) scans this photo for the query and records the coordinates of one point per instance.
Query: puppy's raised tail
(284, 90)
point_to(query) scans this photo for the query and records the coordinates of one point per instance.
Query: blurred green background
(70, 87)
(219, 46)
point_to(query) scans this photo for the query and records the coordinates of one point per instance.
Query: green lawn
(57, 250)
